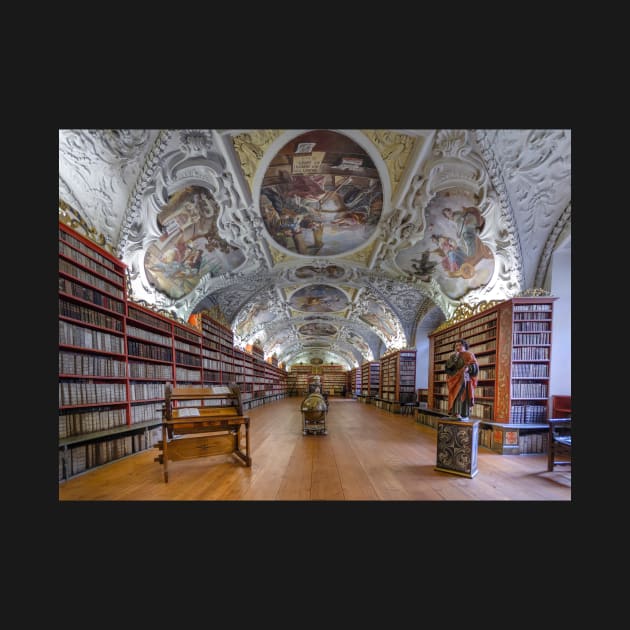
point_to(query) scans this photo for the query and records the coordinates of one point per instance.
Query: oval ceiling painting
(317, 329)
(318, 298)
(321, 195)
(190, 246)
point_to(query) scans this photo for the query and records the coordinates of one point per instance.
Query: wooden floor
(368, 455)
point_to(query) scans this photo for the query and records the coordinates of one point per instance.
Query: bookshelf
(116, 357)
(512, 342)
(334, 379)
(355, 381)
(370, 380)
(259, 381)
(95, 422)
(397, 380)
(299, 376)
(149, 363)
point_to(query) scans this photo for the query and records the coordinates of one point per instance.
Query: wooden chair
(559, 447)
(560, 406)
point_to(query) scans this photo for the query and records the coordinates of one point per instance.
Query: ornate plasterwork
(404, 300)
(531, 169)
(395, 149)
(97, 168)
(562, 226)
(276, 255)
(70, 217)
(362, 256)
(129, 226)
(250, 147)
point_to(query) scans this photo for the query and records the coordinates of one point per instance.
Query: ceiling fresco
(321, 245)
(321, 195)
(452, 250)
(318, 298)
(189, 247)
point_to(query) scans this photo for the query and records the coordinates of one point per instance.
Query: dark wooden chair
(559, 447)
(560, 406)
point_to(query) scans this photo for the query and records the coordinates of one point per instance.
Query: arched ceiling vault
(321, 245)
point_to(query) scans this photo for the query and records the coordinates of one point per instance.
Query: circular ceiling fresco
(319, 298)
(321, 195)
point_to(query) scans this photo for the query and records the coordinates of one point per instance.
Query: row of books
(529, 390)
(73, 335)
(84, 393)
(65, 237)
(89, 315)
(73, 289)
(68, 268)
(83, 364)
(531, 339)
(90, 263)
(90, 420)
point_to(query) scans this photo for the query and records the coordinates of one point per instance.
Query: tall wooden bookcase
(370, 378)
(334, 379)
(355, 381)
(398, 376)
(116, 356)
(512, 342)
(95, 423)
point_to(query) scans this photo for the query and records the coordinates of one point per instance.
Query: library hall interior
(290, 315)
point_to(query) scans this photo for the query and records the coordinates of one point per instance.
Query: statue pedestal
(457, 443)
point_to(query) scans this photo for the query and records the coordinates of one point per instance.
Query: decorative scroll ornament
(464, 311)
(533, 292)
(250, 147)
(160, 311)
(215, 313)
(118, 145)
(394, 148)
(195, 142)
(70, 217)
(451, 143)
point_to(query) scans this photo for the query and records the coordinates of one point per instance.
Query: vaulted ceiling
(321, 245)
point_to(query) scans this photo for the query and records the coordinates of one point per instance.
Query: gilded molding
(534, 293)
(217, 315)
(395, 149)
(159, 311)
(80, 225)
(250, 147)
(464, 311)
(276, 255)
(362, 256)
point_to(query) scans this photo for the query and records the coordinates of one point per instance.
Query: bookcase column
(457, 443)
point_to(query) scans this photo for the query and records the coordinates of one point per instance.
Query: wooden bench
(203, 421)
(559, 447)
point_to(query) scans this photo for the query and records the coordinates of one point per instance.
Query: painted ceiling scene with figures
(321, 245)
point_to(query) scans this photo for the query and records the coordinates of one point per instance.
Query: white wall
(560, 377)
(422, 362)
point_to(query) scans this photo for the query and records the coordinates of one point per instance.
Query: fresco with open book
(321, 195)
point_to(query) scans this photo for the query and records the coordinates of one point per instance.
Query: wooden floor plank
(369, 454)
